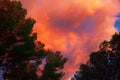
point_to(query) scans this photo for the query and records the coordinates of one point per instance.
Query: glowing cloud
(75, 27)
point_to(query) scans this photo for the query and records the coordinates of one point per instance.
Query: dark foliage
(54, 63)
(103, 64)
(20, 53)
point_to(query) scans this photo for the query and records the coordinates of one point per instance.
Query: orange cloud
(75, 27)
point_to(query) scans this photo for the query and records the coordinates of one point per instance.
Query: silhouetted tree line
(20, 52)
(103, 64)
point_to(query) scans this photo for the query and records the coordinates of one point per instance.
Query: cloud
(75, 27)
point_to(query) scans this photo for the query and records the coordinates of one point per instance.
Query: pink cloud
(75, 27)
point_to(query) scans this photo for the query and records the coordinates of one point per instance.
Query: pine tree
(20, 53)
(54, 63)
(103, 64)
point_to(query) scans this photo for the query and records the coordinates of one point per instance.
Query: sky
(74, 27)
(117, 22)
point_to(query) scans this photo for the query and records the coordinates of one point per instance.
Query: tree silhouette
(103, 64)
(20, 53)
(54, 63)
